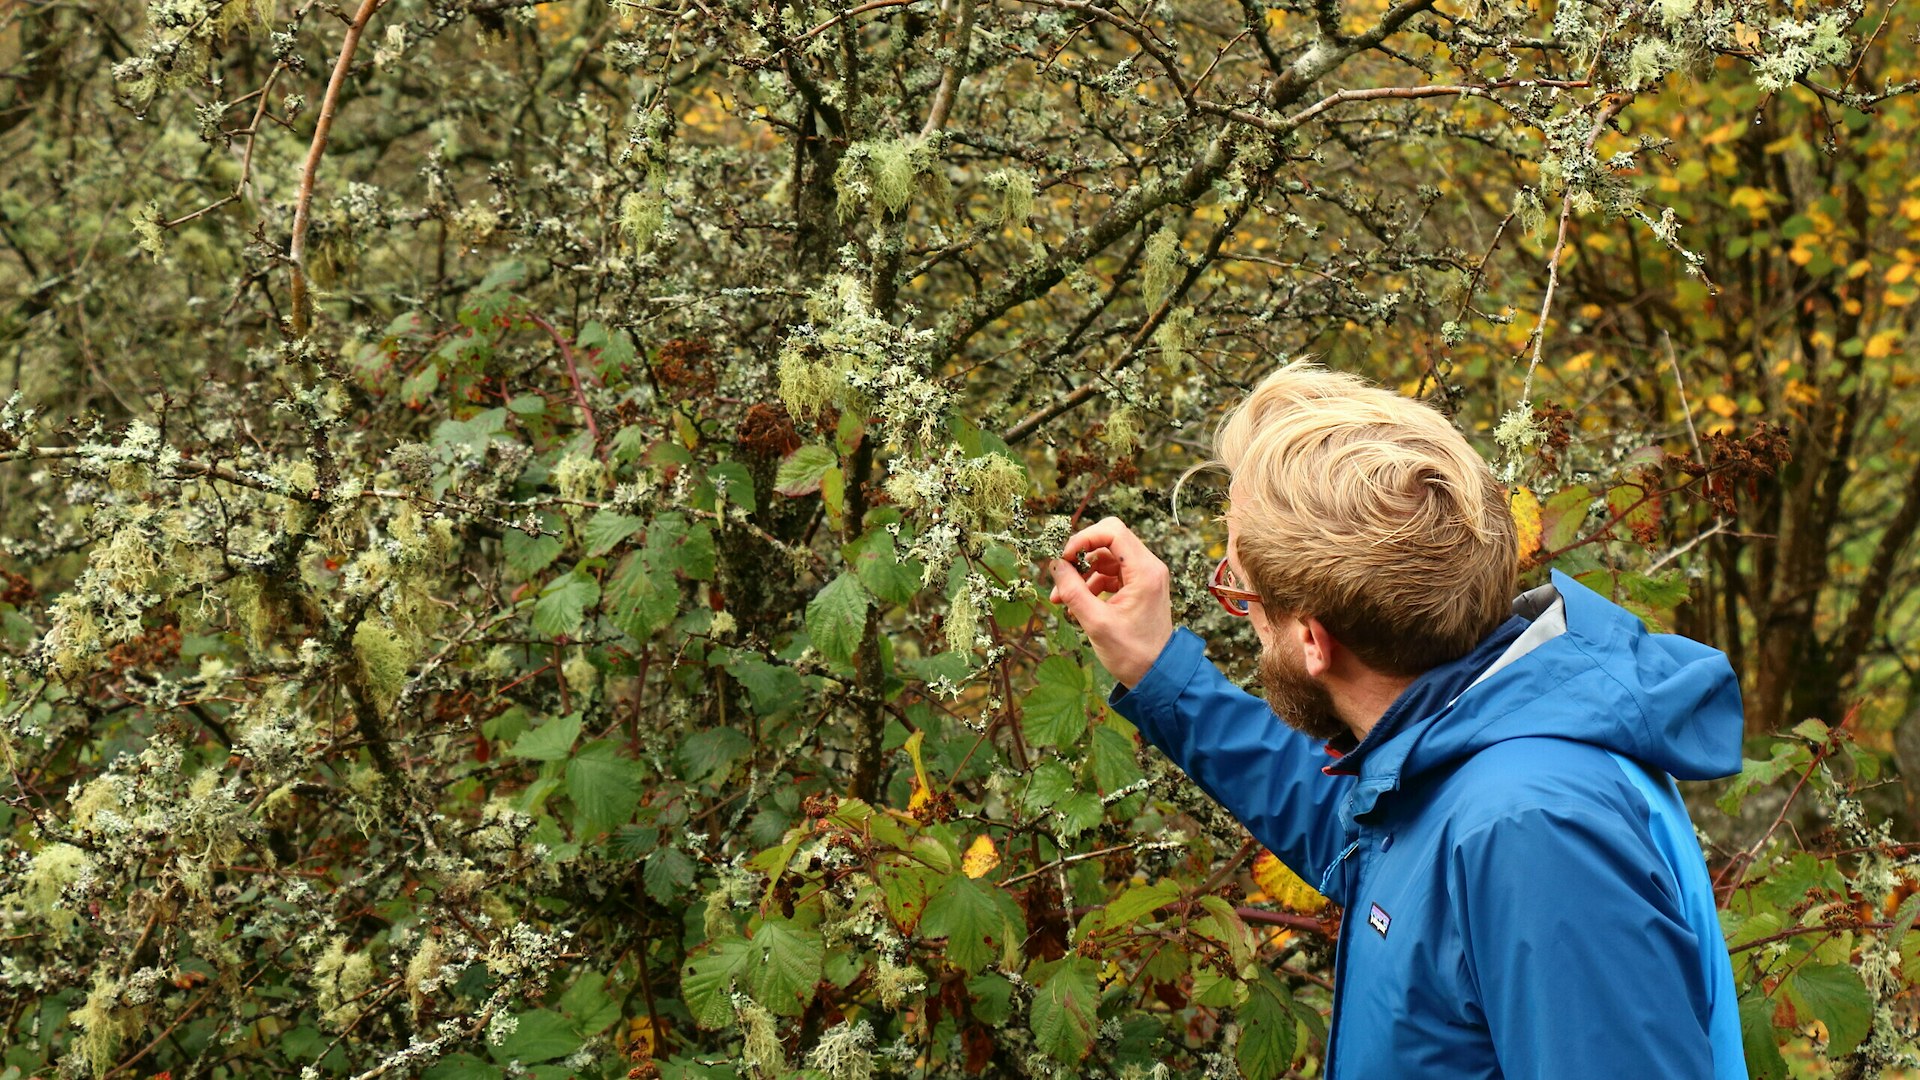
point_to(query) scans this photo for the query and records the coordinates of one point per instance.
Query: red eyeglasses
(1225, 587)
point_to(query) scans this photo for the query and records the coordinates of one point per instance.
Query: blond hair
(1370, 512)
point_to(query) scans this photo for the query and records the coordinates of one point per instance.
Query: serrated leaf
(563, 605)
(1055, 710)
(641, 599)
(541, 1035)
(1266, 1033)
(588, 1004)
(1760, 1040)
(905, 886)
(800, 472)
(1283, 886)
(1138, 901)
(980, 858)
(1066, 1011)
(551, 741)
(1078, 812)
(526, 554)
(605, 786)
(1526, 522)
(605, 530)
(881, 571)
(772, 688)
(1116, 762)
(787, 962)
(1049, 784)
(674, 544)
(667, 874)
(837, 618)
(1834, 995)
(977, 920)
(1564, 516)
(707, 979)
(738, 483)
(710, 754)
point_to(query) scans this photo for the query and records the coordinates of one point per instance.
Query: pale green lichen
(583, 679)
(339, 979)
(1121, 433)
(988, 490)
(760, 1043)
(54, 867)
(1015, 190)
(642, 213)
(423, 973)
(1160, 264)
(895, 985)
(845, 1051)
(962, 623)
(106, 1022)
(384, 659)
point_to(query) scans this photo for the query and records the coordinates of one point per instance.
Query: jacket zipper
(1339, 959)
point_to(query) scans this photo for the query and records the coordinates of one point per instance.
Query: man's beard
(1297, 698)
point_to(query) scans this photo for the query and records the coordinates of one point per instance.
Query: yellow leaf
(1721, 405)
(1880, 346)
(1526, 522)
(1750, 199)
(922, 791)
(980, 858)
(1283, 886)
(1899, 272)
(1910, 208)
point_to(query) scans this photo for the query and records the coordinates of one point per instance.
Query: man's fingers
(1070, 590)
(1110, 533)
(1099, 584)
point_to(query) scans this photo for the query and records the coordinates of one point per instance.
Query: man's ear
(1318, 647)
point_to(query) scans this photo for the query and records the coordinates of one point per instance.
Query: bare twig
(302, 313)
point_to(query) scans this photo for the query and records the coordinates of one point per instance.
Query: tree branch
(302, 313)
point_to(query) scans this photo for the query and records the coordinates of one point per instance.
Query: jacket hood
(1581, 668)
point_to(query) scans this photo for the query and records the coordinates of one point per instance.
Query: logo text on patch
(1379, 919)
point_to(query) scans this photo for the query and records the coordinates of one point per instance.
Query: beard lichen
(384, 657)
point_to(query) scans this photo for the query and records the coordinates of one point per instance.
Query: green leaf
(674, 544)
(1834, 995)
(1116, 763)
(542, 1035)
(1761, 1040)
(977, 920)
(1056, 708)
(1811, 730)
(667, 874)
(880, 570)
(1564, 517)
(1049, 784)
(738, 482)
(773, 688)
(992, 998)
(837, 618)
(905, 886)
(551, 741)
(452, 1067)
(563, 604)
(1077, 813)
(1266, 1032)
(1138, 901)
(787, 962)
(641, 599)
(1757, 773)
(605, 529)
(528, 555)
(800, 472)
(605, 786)
(706, 980)
(1066, 1011)
(710, 754)
(588, 1003)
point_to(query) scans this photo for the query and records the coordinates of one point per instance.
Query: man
(1525, 897)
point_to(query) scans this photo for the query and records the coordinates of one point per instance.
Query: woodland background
(519, 521)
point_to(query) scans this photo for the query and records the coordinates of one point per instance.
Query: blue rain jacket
(1524, 893)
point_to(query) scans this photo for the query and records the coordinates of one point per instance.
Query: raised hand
(1124, 601)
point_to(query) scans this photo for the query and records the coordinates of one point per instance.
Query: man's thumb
(1070, 591)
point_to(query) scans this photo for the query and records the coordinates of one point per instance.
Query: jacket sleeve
(1266, 774)
(1579, 948)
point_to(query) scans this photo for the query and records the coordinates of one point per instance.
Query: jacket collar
(1433, 691)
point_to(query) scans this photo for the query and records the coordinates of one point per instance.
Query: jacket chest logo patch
(1379, 919)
